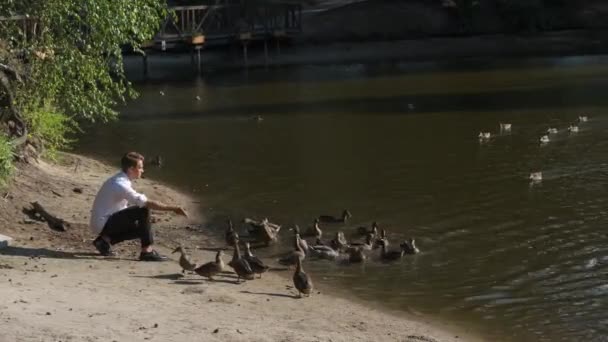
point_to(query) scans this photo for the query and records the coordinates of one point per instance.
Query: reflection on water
(525, 261)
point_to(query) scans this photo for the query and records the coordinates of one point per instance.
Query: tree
(61, 61)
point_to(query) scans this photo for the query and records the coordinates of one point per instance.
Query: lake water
(397, 143)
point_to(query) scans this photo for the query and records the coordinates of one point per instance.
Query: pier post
(245, 38)
(278, 35)
(198, 58)
(265, 51)
(198, 41)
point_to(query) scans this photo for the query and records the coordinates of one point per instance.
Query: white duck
(583, 118)
(505, 126)
(544, 139)
(484, 135)
(552, 130)
(536, 176)
(573, 129)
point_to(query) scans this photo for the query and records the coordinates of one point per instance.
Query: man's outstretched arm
(163, 207)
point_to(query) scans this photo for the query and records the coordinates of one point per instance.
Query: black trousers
(129, 224)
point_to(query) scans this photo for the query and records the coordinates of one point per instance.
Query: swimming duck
(387, 255)
(373, 230)
(409, 246)
(368, 245)
(505, 126)
(257, 266)
(382, 240)
(292, 257)
(544, 139)
(583, 118)
(339, 242)
(157, 161)
(573, 129)
(536, 176)
(323, 252)
(356, 255)
(231, 235)
(315, 230)
(211, 268)
(484, 135)
(331, 219)
(241, 266)
(301, 280)
(265, 230)
(184, 260)
(302, 242)
(552, 130)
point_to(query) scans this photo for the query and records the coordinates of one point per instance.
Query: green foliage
(50, 126)
(74, 60)
(6, 159)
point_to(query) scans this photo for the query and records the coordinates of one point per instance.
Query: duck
(211, 268)
(323, 252)
(387, 255)
(265, 230)
(240, 266)
(162, 93)
(198, 98)
(356, 255)
(302, 242)
(184, 260)
(257, 266)
(315, 230)
(583, 118)
(484, 135)
(157, 161)
(544, 139)
(373, 230)
(368, 245)
(332, 219)
(505, 126)
(573, 129)
(409, 246)
(552, 130)
(292, 257)
(301, 280)
(339, 242)
(536, 176)
(382, 240)
(231, 235)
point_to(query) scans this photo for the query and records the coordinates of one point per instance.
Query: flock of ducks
(264, 232)
(544, 139)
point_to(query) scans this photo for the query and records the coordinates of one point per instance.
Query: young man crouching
(120, 213)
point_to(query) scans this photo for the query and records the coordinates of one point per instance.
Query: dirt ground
(56, 288)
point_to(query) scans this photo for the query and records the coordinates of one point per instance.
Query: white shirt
(115, 194)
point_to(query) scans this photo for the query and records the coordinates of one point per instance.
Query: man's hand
(180, 211)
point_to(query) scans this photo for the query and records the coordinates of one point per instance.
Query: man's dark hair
(130, 160)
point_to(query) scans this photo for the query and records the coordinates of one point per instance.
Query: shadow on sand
(48, 253)
(272, 294)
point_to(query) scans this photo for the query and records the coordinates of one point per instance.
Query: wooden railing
(223, 20)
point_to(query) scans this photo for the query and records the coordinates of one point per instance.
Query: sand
(56, 288)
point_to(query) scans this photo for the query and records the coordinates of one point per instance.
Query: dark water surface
(518, 261)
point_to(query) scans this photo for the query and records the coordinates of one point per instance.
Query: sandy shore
(56, 288)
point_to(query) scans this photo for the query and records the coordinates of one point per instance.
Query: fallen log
(54, 222)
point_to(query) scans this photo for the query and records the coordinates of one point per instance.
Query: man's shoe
(152, 256)
(103, 247)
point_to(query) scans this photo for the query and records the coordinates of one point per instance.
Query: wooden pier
(224, 23)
